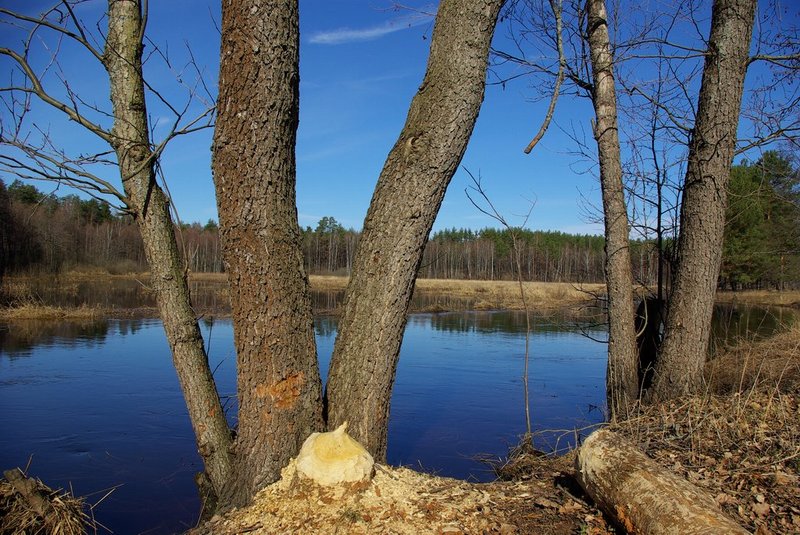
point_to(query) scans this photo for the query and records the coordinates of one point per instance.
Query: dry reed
(57, 513)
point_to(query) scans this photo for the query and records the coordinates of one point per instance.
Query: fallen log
(643, 497)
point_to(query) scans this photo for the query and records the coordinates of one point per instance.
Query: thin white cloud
(349, 35)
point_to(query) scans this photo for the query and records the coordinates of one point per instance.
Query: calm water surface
(96, 405)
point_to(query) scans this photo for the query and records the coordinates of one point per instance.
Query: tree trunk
(643, 497)
(123, 61)
(254, 174)
(621, 375)
(702, 222)
(404, 205)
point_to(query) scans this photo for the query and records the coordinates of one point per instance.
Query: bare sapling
(485, 205)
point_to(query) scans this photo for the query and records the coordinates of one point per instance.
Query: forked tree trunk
(643, 497)
(254, 174)
(404, 205)
(702, 222)
(123, 61)
(621, 378)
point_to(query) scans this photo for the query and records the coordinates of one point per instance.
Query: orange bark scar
(285, 393)
(261, 391)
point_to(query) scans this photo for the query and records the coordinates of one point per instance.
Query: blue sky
(361, 63)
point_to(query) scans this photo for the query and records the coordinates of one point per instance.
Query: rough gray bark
(279, 386)
(643, 497)
(130, 139)
(702, 221)
(404, 205)
(621, 377)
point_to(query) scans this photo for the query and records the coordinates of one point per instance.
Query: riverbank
(786, 298)
(739, 441)
(473, 294)
(123, 296)
(63, 297)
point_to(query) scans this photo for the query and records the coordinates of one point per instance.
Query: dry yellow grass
(491, 295)
(208, 277)
(761, 297)
(30, 311)
(495, 295)
(487, 295)
(447, 294)
(773, 362)
(328, 282)
(29, 506)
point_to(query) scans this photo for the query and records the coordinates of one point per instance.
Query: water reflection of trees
(326, 301)
(502, 322)
(208, 296)
(325, 325)
(18, 338)
(732, 323)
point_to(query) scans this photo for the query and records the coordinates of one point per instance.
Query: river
(96, 405)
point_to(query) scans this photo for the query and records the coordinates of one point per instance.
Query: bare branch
(40, 92)
(54, 169)
(492, 212)
(79, 37)
(555, 5)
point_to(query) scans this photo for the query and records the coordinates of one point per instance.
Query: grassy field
(447, 294)
(491, 295)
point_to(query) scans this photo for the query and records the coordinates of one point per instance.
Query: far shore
(447, 294)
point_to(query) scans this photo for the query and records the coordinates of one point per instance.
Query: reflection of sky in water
(97, 403)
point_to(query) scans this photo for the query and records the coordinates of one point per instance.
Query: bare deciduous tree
(254, 174)
(668, 129)
(621, 378)
(278, 383)
(699, 250)
(403, 207)
(33, 153)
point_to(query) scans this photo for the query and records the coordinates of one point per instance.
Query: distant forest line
(43, 233)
